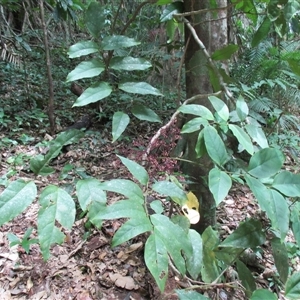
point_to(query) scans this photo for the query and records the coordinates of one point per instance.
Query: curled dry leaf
(125, 282)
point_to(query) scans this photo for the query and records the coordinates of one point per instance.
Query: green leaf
(246, 277)
(93, 94)
(210, 270)
(141, 88)
(260, 191)
(145, 113)
(263, 294)
(174, 239)
(200, 145)
(119, 124)
(89, 190)
(136, 170)
(95, 18)
(137, 225)
(249, 234)
(194, 261)
(157, 259)
(242, 109)
(15, 199)
(280, 258)
(57, 205)
(116, 42)
(219, 184)
(220, 107)
(198, 110)
(39, 164)
(262, 32)
(295, 219)
(170, 10)
(189, 295)
(257, 134)
(278, 212)
(266, 163)
(86, 69)
(170, 189)
(215, 146)
(242, 137)
(82, 48)
(224, 53)
(129, 208)
(124, 187)
(287, 183)
(292, 287)
(129, 63)
(194, 125)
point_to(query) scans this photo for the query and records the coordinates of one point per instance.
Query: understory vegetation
(93, 127)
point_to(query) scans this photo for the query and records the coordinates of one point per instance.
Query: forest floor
(85, 269)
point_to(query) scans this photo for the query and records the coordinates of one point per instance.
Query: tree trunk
(212, 31)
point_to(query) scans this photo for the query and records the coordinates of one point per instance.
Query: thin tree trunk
(198, 82)
(49, 73)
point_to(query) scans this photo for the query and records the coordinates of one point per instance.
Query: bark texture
(212, 31)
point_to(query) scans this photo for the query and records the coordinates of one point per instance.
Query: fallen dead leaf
(125, 282)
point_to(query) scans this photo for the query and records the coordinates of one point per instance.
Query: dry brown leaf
(125, 282)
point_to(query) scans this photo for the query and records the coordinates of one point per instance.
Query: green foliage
(25, 242)
(110, 54)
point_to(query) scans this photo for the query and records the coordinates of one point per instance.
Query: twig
(173, 118)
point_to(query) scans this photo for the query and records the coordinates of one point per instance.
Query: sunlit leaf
(119, 124)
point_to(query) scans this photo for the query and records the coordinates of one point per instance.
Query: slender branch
(173, 118)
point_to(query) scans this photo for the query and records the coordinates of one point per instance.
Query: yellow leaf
(191, 208)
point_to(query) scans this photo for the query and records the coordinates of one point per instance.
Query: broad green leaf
(257, 134)
(57, 205)
(263, 294)
(295, 219)
(129, 208)
(292, 287)
(278, 212)
(170, 189)
(198, 110)
(93, 94)
(124, 187)
(246, 277)
(95, 18)
(94, 208)
(15, 199)
(220, 107)
(200, 145)
(242, 137)
(141, 88)
(163, 2)
(219, 184)
(189, 295)
(194, 125)
(137, 225)
(210, 270)
(39, 164)
(194, 261)
(119, 124)
(228, 255)
(157, 260)
(89, 190)
(170, 10)
(265, 163)
(242, 108)
(86, 69)
(260, 191)
(136, 170)
(224, 53)
(129, 63)
(249, 234)
(280, 258)
(261, 32)
(287, 183)
(82, 48)
(145, 113)
(174, 239)
(116, 42)
(215, 146)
